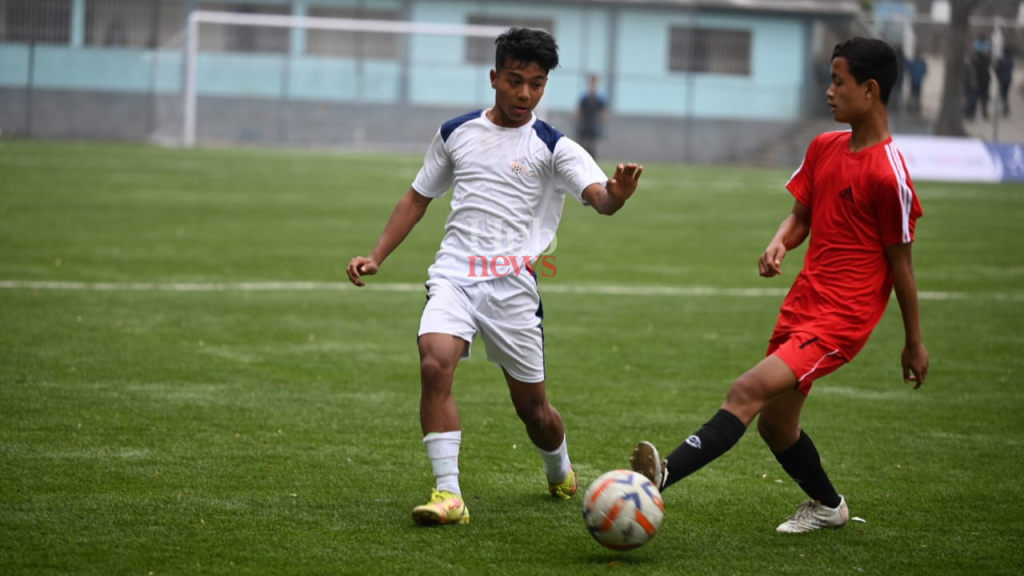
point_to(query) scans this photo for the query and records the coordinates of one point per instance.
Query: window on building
(709, 51)
(481, 50)
(350, 43)
(40, 21)
(142, 23)
(238, 38)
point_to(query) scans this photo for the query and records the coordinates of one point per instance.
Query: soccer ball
(622, 509)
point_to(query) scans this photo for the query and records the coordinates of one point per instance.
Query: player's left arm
(914, 357)
(609, 197)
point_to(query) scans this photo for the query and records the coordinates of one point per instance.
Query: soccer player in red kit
(853, 188)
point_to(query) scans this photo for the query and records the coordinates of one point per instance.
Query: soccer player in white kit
(509, 173)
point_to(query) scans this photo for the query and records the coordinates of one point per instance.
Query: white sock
(443, 451)
(556, 463)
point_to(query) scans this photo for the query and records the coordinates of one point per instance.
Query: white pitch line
(187, 286)
(592, 289)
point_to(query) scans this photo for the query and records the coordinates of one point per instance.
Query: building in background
(687, 80)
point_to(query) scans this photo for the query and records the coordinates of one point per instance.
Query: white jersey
(509, 190)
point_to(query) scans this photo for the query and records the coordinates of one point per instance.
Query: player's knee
(434, 369)
(746, 392)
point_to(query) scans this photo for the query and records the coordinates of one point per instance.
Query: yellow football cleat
(566, 488)
(444, 508)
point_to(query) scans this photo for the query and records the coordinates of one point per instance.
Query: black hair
(870, 59)
(526, 45)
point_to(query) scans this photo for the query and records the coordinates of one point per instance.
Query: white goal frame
(198, 17)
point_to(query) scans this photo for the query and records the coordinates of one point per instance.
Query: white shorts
(507, 314)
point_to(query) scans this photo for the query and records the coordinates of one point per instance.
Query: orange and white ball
(623, 509)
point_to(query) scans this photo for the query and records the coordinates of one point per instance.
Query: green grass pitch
(174, 400)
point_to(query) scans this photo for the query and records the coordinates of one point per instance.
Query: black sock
(713, 439)
(802, 463)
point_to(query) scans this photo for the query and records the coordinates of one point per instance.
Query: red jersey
(860, 202)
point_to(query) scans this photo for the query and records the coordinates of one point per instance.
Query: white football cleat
(812, 515)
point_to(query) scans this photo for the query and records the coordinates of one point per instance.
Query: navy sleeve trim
(448, 127)
(547, 133)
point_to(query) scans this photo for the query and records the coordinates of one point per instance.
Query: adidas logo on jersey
(846, 194)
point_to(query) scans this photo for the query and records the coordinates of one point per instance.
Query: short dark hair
(526, 45)
(870, 59)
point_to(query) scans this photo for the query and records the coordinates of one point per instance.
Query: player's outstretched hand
(770, 263)
(361, 266)
(623, 183)
(915, 364)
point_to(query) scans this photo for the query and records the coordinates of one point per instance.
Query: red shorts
(807, 355)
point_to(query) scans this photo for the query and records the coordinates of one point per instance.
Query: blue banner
(1009, 160)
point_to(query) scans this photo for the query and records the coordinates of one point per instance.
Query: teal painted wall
(116, 70)
(772, 91)
(113, 70)
(14, 65)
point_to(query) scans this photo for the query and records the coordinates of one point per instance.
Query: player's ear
(494, 79)
(872, 89)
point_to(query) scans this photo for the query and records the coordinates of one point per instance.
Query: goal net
(309, 81)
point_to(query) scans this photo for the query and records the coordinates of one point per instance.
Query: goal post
(294, 56)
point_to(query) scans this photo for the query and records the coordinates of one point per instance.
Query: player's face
(518, 89)
(847, 99)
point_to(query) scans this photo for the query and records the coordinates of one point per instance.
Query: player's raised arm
(914, 357)
(407, 213)
(608, 198)
(791, 233)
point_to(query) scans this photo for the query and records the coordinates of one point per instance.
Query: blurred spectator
(916, 69)
(590, 117)
(1004, 75)
(982, 61)
(896, 96)
(970, 89)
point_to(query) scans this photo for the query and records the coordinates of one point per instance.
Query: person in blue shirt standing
(590, 117)
(916, 69)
